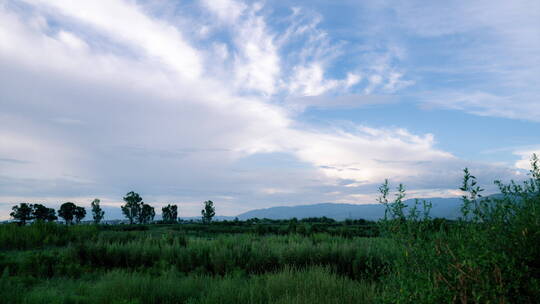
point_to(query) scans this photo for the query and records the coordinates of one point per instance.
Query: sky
(258, 104)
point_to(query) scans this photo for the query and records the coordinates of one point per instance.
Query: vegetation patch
(489, 255)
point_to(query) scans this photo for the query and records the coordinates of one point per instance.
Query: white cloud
(227, 10)
(490, 47)
(525, 161)
(126, 23)
(395, 82)
(71, 40)
(486, 104)
(299, 104)
(257, 64)
(310, 81)
(255, 55)
(352, 79)
(370, 155)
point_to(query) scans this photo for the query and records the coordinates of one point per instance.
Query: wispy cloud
(489, 48)
(103, 97)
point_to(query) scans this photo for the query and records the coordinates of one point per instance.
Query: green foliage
(349, 229)
(355, 258)
(42, 234)
(42, 213)
(136, 210)
(110, 266)
(97, 212)
(170, 213)
(402, 222)
(79, 213)
(313, 285)
(67, 212)
(147, 214)
(133, 206)
(208, 212)
(22, 213)
(490, 255)
(470, 208)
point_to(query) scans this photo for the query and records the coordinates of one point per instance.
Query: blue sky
(258, 104)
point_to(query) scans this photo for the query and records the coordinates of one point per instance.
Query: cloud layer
(103, 97)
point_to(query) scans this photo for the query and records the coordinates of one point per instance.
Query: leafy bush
(491, 255)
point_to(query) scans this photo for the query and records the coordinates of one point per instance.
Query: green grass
(490, 255)
(42, 234)
(312, 285)
(251, 254)
(163, 265)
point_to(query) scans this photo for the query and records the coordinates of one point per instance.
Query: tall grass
(251, 254)
(42, 234)
(312, 285)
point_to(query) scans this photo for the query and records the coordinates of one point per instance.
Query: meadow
(490, 255)
(52, 263)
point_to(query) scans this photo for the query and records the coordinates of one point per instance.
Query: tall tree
(147, 214)
(208, 212)
(170, 213)
(42, 213)
(133, 206)
(51, 215)
(67, 212)
(97, 212)
(79, 213)
(22, 213)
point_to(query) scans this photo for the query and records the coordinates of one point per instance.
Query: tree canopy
(208, 212)
(132, 207)
(169, 213)
(67, 212)
(22, 213)
(97, 212)
(147, 214)
(42, 213)
(136, 210)
(79, 213)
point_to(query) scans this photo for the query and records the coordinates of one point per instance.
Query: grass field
(51, 263)
(490, 255)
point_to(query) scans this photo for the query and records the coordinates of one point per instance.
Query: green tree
(208, 212)
(147, 214)
(133, 206)
(97, 212)
(22, 213)
(79, 213)
(42, 213)
(67, 212)
(170, 213)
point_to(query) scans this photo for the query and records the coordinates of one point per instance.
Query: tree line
(135, 210)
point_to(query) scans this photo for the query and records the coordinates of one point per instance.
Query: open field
(229, 263)
(489, 255)
(89, 264)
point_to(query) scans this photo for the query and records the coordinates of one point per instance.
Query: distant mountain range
(442, 207)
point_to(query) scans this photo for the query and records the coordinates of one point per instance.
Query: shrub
(491, 255)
